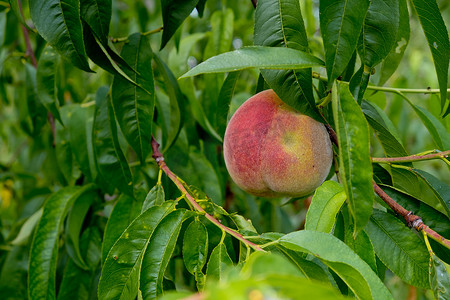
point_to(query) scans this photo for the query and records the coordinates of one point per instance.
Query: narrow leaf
(154, 197)
(173, 13)
(218, 262)
(440, 189)
(46, 82)
(325, 205)
(124, 212)
(342, 260)
(223, 103)
(97, 14)
(255, 57)
(44, 248)
(437, 36)
(195, 247)
(400, 249)
(341, 22)
(355, 165)
(134, 105)
(379, 31)
(111, 161)
(280, 24)
(121, 270)
(159, 252)
(58, 22)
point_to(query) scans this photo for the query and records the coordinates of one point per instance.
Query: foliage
(88, 87)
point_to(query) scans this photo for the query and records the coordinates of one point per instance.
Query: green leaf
(58, 22)
(221, 36)
(36, 112)
(173, 14)
(78, 283)
(256, 57)
(400, 249)
(437, 36)
(384, 130)
(175, 117)
(97, 14)
(341, 22)
(124, 212)
(154, 197)
(392, 60)
(341, 259)
(122, 267)
(224, 100)
(27, 229)
(45, 79)
(439, 278)
(195, 247)
(134, 105)
(265, 264)
(325, 205)
(358, 83)
(2, 25)
(111, 161)
(379, 31)
(355, 165)
(363, 247)
(280, 24)
(74, 225)
(159, 252)
(440, 189)
(80, 125)
(44, 248)
(219, 262)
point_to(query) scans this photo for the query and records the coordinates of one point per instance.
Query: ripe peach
(272, 150)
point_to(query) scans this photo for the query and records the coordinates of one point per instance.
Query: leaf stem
(157, 155)
(412, 220)
(411, 158)
(387, 89)
(125, 39)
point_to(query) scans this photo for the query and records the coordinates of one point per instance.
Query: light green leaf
(439, 278)
(256, 57)
(325, 205)
(219, 262)
(154, 197)
(27, 229)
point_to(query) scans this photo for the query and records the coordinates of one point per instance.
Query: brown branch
(411, 158)
(157, 155)
(412, 220)
(333, 135)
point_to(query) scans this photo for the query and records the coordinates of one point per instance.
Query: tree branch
(412, 220)
(29, 52)
(412, 158)
(157, 155)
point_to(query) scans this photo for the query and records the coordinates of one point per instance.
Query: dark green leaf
(36, 112)
(391, 62)
(122, 267)
(224, 100)
(111, 161)
(44, 248)
(159, 252)
(280, 24)
(58, 22)
(134, 105)
(256, 57)
(379, 31)
(195, 247)
(358, 83)
(325, 205)
(437, 36)
(154, 197)
(355, 165)
(440, 189)
(342, 260)
(341, 22)
(124, 212)
(173, 13)
(400, 249)
(46, 83)
(219, 262)
(97, 13)
(363, 247)
(439, 278)
(175, 117)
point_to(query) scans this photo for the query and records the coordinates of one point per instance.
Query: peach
(272, 150)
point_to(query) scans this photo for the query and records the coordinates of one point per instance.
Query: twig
(412, 220)
(157, 155)
(29, 52)
(332, 134)
(124, 39)
(387, 89)
(411, 158)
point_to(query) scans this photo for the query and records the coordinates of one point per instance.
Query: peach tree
(113, 183)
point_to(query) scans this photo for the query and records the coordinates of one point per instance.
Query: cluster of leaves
(86, 212)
